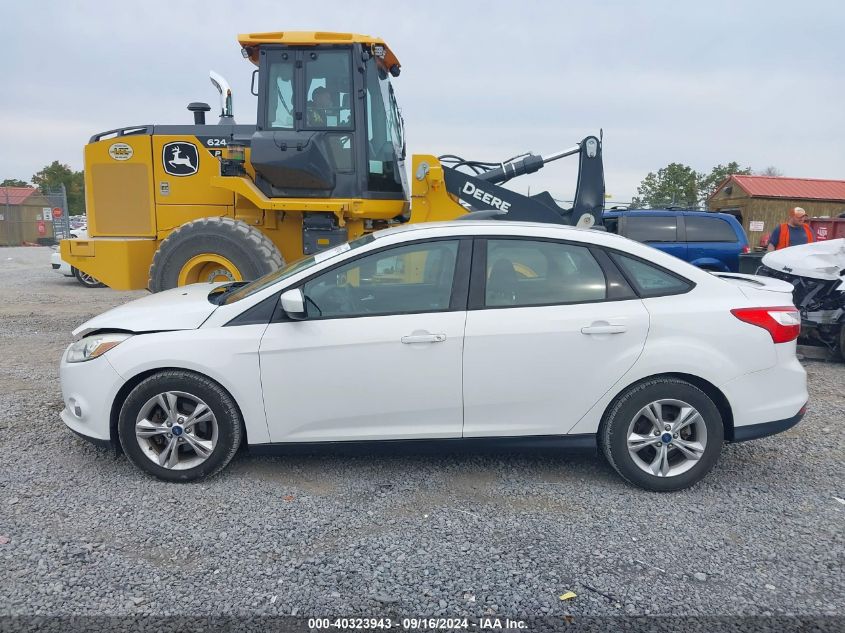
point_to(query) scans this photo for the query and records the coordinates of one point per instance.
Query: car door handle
(604, 328)
(424, 338)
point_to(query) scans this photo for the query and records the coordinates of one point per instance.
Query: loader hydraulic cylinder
(527, 165)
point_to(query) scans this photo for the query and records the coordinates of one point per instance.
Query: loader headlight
(93, 346)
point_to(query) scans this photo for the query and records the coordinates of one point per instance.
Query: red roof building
(763, 202)
(25, 216)
(792, 188)
(15, 195)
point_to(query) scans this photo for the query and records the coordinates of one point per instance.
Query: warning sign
(756, 225)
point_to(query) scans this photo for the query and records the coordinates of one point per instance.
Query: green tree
(54, 174)
(675, 184)
(707, 183)
(14, 182)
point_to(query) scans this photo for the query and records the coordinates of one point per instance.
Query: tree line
(680, 185)
(52, 177)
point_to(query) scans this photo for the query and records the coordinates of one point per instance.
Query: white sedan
(522, 334)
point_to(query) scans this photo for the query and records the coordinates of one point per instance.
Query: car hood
(819, 260)
(184, 308)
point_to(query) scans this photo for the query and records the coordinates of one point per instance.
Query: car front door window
(405, 280)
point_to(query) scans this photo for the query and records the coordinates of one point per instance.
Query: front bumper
(88, 391)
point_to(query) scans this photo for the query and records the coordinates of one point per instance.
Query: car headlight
(93, 346)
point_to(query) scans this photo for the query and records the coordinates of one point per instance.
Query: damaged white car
(817, 272)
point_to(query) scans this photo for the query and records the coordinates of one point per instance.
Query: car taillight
(783, 323)
(746, 249)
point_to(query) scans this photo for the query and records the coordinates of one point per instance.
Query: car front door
(378, 355)
(549, 331)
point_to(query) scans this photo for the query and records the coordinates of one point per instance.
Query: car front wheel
(663, 434)
(179, 426)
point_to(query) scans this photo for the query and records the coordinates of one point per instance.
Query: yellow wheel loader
(170, 205)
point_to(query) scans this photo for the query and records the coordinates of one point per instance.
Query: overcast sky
(694, 82)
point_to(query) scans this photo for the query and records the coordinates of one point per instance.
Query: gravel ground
(84, 532)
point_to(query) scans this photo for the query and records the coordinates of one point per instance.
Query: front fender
(227, 355)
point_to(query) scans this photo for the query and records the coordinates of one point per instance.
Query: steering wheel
(338, 300)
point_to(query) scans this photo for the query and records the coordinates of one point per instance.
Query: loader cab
(328, 125)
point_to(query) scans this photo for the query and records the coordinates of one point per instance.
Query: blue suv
(713, 241)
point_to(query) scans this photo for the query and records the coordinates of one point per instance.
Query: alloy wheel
(176, 430)
(667, 437)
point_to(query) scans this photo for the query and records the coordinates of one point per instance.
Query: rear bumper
(59, 265)
(778, 393)
(764, 429)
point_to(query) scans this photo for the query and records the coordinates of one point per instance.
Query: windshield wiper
(217, 295)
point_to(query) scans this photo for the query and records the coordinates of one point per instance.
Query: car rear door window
(650, 280)
(533, 272)
(651, 228)
(407, 279)
(702, 229)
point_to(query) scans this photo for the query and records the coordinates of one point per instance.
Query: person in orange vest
(792, 232)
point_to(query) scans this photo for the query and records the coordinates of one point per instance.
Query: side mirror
(293, 303)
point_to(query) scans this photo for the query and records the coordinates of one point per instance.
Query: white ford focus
(525, 334)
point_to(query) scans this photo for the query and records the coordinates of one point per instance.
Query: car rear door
(551, 327)
(379, 355)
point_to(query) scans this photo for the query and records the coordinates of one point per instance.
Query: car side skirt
(580, 443)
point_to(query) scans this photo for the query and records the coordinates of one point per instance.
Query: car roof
(668, 212)
(496, 227)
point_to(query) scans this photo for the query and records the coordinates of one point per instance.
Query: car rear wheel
(179, 426)
(663, 434)
(87, 280)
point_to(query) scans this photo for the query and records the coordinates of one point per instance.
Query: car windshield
(269, 279)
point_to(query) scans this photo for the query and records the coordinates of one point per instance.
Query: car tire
(87, 280)
(212, 249)
(166, 400)
(685, 449)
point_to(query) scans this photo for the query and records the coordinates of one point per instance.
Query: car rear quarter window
(534, 272)
(701, 229)
(650, 280)
(651, 228)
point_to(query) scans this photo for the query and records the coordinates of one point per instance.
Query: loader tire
(212, 249)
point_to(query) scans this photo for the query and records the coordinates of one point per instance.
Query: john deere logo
(120, 151)
(180, 159)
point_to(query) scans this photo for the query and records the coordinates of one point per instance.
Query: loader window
(280, 113)
(328, 81)
(385, 139)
